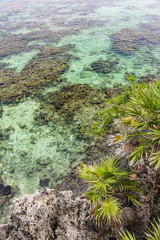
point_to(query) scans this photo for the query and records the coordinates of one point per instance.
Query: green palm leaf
(108, 210)
(107, 180)
(127, 236)
(94, 197)
(138, 153)
(156, 160)
(154, 234)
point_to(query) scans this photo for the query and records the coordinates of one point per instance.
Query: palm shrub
(143, 121)
(126, 236)
(154, 234)
(138, 110)
(108, 183)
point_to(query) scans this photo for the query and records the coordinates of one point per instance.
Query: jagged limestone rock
(32, 217)
(43, 216)
(47, 216)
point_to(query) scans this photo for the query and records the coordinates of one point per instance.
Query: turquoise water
(40, 141)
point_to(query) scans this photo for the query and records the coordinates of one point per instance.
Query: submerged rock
(7, 192)
(148, 78)
(3, 65)
(5, 134)
(4, 190)
(1, 111)
(43, 161)
(43, 70)
(128, 40)
(44, 182)
(7, 46)
(101, 66)
(74, 100)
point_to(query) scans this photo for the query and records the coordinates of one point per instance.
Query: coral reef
(44, 69)
(15, 35)
(127, 40)
(20, 45)
(74, 101)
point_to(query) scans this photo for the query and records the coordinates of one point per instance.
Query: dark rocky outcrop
(7, 193)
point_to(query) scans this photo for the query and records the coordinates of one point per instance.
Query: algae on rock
(43, 70)
(128, 40)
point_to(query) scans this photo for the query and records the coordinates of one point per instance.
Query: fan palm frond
(107, 180)
(156, 160)
(154, 234)
(108, 210)
(126, 236)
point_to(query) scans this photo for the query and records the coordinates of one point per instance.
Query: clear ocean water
(40, 142)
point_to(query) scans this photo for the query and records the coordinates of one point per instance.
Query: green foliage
(108, 183)
(154, 234)
(107, 117)
(107, 210)
(144, 110)
(139, 110)
(127, 236)
(156, 160)
(131, 79)
(82, 129)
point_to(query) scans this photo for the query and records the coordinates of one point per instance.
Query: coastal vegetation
(134, 118)
(127, 236)
(137, 112)
(108, 184)
(153, 234)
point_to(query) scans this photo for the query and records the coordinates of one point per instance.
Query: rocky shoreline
(51, 215)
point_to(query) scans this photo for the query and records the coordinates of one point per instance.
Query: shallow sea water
(36, 154)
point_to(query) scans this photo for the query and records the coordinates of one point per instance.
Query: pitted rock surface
(47, 216)
(43, 216)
